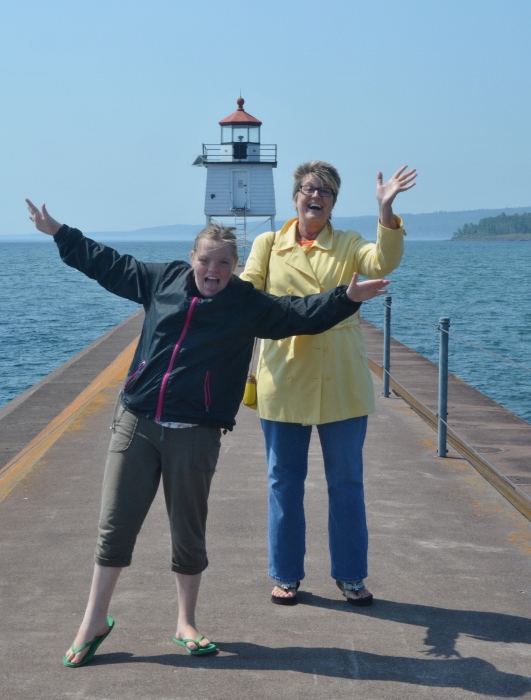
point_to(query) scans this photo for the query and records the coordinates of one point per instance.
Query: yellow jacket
(313, 379)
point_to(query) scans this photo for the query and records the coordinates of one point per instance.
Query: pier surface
(449, 560)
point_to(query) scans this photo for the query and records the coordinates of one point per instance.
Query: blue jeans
(287, 447)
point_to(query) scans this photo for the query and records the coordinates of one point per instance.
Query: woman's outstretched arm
(387, 191)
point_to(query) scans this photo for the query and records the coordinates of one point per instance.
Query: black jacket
(192, 359)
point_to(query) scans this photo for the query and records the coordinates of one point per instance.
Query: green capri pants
(140, 453)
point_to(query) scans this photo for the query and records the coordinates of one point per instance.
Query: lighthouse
(239, 182)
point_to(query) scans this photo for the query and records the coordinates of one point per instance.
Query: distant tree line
(515, 226)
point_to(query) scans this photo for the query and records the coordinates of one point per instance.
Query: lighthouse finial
(240, 102)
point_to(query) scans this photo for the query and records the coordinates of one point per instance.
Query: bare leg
(187, 592)
(95, 619)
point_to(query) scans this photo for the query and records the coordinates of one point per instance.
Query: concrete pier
(449, 560)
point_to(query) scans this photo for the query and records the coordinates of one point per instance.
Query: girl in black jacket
(184, 386)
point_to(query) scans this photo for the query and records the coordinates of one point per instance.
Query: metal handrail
(510, 491)
(439, 421)
(461, 339)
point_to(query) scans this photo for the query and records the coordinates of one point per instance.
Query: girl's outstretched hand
(363, 291)
(42, 220)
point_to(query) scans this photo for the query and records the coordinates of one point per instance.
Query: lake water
(50, 312)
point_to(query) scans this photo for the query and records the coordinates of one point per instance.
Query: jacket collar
(286, 240)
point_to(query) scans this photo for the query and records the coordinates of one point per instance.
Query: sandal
(291, 600)
(355, 586)
(209, 649)
(92, 647)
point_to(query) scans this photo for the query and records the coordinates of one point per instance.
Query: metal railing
(446, 434)
(215, 153)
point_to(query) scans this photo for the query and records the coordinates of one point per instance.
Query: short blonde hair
(224, 235)
(322, 170)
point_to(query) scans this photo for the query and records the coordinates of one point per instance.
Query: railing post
(444, 325)
(387, 345)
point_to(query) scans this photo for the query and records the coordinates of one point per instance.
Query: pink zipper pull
(207, 391)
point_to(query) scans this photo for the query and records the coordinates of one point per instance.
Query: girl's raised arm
(42, 220)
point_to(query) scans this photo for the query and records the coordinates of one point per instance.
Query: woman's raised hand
(387, 191)
(42, 220)
(368, 289)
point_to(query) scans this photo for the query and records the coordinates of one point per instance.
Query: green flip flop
(200, 650)
(92, 647)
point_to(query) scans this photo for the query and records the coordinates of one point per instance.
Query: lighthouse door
(239, 189)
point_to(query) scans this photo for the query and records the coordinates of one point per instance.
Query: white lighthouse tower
(240, 176)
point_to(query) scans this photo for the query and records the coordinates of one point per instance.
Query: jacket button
(289, 290)
(290, 378)
(328, 378)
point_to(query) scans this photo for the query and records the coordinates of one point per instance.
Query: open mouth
(211, 282)
(315, 206)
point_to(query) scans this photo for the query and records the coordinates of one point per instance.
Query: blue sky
(105, 104)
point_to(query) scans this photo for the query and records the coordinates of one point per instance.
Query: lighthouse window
(226, 134)
(254, 134)
(241, 134)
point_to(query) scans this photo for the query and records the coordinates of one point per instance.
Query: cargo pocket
(124, 430)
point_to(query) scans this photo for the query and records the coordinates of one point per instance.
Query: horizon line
(280, 219)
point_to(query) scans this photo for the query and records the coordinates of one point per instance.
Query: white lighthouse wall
(260, 189)
(253, 152)
(226, 153)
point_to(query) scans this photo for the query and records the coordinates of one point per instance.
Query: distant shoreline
(435, 226)
(504, 237)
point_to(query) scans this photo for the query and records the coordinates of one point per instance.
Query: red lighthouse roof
(240, 116)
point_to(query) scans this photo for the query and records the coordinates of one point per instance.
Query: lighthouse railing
(212, 153)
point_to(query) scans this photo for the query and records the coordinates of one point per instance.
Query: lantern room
(240, 136)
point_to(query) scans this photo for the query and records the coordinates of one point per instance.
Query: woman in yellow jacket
(321, 380)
